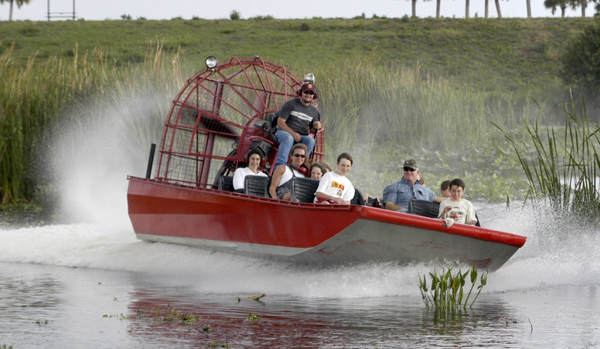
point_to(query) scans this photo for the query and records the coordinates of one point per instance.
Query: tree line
(553, 5)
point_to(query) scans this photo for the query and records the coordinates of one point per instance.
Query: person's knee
(284, 137)
(310, 143)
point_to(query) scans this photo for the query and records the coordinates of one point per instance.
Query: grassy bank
(390, 89)
(517, 55)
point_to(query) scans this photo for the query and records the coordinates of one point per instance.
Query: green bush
(235, 15)
(581, 61)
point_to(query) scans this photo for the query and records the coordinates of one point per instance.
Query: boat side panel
(160, 209)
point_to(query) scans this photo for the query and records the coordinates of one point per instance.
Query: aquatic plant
(253, 317)
(446, 294)
(562, 165)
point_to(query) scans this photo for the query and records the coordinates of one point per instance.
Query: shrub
(581, 63)
(235, 15)
(304, 27)
(126, 17)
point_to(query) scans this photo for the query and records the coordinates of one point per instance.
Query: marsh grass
(447, 292)
(562, 165)
(380, 110)
(44, 100)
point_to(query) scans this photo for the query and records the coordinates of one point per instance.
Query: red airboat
(222, 113)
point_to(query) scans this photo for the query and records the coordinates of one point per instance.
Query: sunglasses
(309, 92)
(408, 169)
(299, 155)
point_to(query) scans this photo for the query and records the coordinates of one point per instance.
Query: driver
(296, 117)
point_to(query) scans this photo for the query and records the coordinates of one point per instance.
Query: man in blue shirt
(397, 195)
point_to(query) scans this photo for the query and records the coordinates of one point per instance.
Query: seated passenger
(457, 208)
(445, 188)
(396, 196)
(334, 187)
(253, 159)
(281, 184)
(317, 171)
(326, 166)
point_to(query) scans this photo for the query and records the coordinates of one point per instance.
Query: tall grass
(367, 103)
(563, 164)
(386, 104)
(41, 100)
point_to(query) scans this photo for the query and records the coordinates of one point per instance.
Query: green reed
(371, 102)
(447, 294)
(367, 103)
(562, 165)
(41, 100)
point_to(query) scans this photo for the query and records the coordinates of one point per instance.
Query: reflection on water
(45, 306)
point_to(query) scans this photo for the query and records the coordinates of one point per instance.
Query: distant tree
(414, 8)
(582, 3)
(467, 6)
(555, 4)
(12, 2)
(126, 17)
(487, 8)
(235, 15)
(580, 63)
(498, 8)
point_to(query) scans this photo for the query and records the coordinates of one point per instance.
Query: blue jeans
(286, 142)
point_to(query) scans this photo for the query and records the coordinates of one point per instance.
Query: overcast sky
(166, 9)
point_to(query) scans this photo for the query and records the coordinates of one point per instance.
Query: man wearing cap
(396, 196)
(296, 117)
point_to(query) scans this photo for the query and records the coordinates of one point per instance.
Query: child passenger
(445, 188)
(317, 171)
(458, 209)
(334, 187)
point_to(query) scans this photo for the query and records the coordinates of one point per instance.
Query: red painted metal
(221, 109)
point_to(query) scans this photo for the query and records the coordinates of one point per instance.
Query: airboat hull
(305, 233)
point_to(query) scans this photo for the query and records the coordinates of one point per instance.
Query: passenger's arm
(439, 199)
(275, 181)
(321, 195)
(238, 179)
(392, 206)
(282, 125)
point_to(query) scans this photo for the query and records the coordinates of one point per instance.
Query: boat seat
(358, 198)
(304, 189)
(226, 183)
(424, 208)
(257, 186)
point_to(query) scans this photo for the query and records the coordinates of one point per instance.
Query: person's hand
(297, 137)
(317, 125)
(447, 209)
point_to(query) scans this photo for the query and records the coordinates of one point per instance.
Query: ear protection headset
(299, 92)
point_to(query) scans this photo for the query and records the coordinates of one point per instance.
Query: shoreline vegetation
(390, 89)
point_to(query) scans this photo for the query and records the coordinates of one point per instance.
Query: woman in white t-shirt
(254, 158)
(334, 187)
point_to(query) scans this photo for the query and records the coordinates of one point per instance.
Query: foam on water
(570, 259)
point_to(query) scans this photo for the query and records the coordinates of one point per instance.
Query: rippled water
(95, 285)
